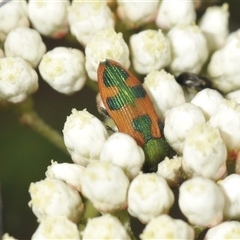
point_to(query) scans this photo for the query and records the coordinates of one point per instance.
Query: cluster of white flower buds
(203, 130)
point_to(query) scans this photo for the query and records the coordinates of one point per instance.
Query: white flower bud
(172, 13)
(150, 50)
(42, 15)
(105, 185)
(6, 236)
(122, 150)
(56, 227)
(161, 87)
(13, 14)
(230, 188)
(25, 43)
(135, 13)
(189, 48)
(214, 25)
(84, 136)
(204, 152)
(234, 95)
(63, 69)
(223, 68)
(18, 79)
(208, 100)
(165, 227)
(68, 172)
(53, 197)
(223, 231)
(106, 44)
(201, 201)
(227, 120)
(170, 170)
(149, 196)
(179, 120)
(104, 227)
(88, 17)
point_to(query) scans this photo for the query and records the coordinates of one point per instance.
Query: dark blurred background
(25, 155)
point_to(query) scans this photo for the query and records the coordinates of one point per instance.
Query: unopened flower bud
(13, 14)
(227, 120)
(201, 201)
(53, 197)
(204, 152)
(189, 48)
(172, 13)
(105, 185)
(161, 87)
(56, 227)
(230, 188)
(165, 227)
(84, 136)
(234, 95)
(122, 150)
(18, 79)
(149, 196)
(106, 44)
(63, 69)
(44, 19)
(68, 172)
(88, 17)
(104, 227)
(179, 120)
(25, 43)
(150, 50)
(223, 231)
(208, 100)
(135, 13)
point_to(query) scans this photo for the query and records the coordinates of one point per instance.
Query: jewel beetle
(128, 104)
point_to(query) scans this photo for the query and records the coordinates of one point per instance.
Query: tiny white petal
(42, 15)
(172, 13)
(104, 227)
(227, 120)
(68, 172)
(223, 231)
(56, 227)
(63, 69)
(223, 68)
(17, 79)
(201, 201)
(53, 197)
(189, 49)
(88, 17)
(105, 185)
(25, 43)
(13, 14)
(161, 87)
(230, 187)
(170, 170)
(165, 227)
(135, 13)
(179, 120)
(6, 236)
(204, 152)
(214, 24)
(84, 136)
(122, 150)
(106, 44)
(149, 196)
(208, 100)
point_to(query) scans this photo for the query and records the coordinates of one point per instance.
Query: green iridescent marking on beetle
(113, 76)
(143, 125)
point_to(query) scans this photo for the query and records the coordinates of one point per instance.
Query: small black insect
(194, 81)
